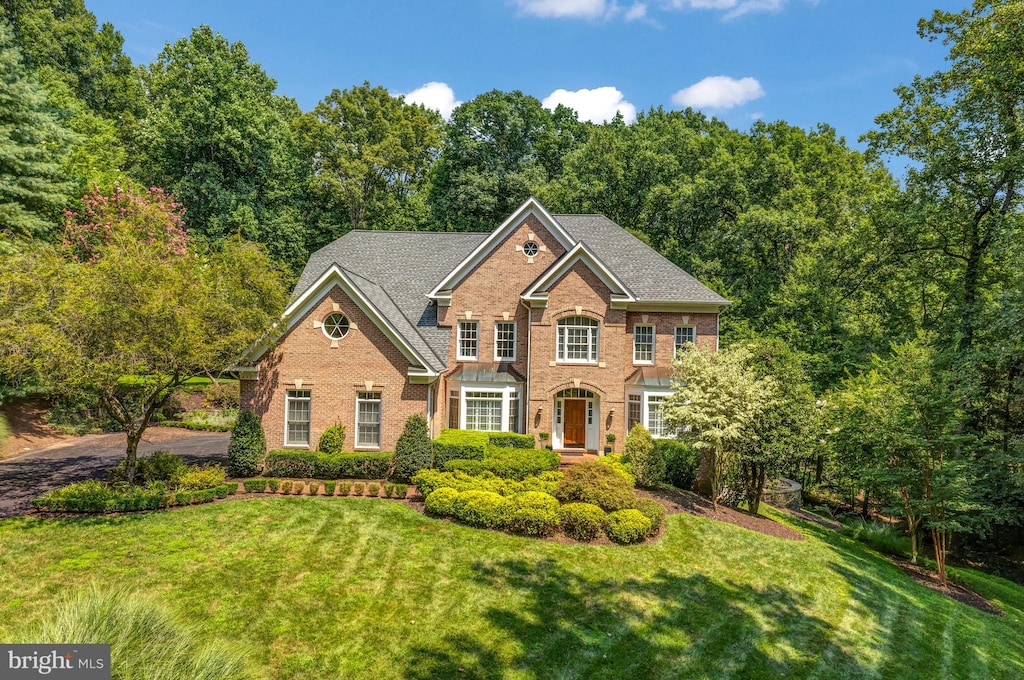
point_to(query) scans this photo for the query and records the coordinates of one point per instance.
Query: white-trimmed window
(453, 409)
(684, 335)
(656, 415)
(483, 410)
(505, 341)
(468, 340)
(368, 420)
(513, 412)
(648, 409)
(643, 344)
(633, 411)
(577, 340)
(296, 417)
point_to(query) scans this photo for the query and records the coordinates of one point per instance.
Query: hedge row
(93, 496)
(427, 481)
(459, 444)
(343, 487)
(534, 513)
(198, 427)
(293, 463)
(511, 463)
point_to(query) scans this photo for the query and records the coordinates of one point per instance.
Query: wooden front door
(575, 424)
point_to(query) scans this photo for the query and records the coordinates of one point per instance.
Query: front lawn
(358, 588)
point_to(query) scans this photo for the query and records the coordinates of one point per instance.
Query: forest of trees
(894, 303)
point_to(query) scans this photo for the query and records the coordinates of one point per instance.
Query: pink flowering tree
(128, 307)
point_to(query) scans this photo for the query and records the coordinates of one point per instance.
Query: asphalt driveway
(28, 475)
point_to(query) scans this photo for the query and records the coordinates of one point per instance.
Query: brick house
(563, 324)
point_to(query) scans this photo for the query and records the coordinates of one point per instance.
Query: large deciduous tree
(128, 307)
(902, 423)
(33, 146)
(217, 137)
(717, 398)
(963, 128)
(369, 153)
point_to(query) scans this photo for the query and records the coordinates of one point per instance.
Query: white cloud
(637, 11)
(732, 8)
(434, 95)
(719, 92)
(576, 9)
(598, 105)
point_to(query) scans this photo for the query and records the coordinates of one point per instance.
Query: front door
(575, 424)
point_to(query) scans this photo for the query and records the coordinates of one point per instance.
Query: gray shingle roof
(647, 274)
(396, 270)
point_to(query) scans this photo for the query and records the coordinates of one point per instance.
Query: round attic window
(336, 326)
(530, 249)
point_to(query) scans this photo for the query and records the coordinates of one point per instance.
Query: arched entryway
(577, 418)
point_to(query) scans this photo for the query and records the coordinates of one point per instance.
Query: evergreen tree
(413, 451)
(32, 147)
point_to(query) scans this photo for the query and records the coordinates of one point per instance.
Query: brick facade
(490, 293)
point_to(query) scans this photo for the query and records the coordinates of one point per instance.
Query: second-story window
(643, 344)
(468, 340)
(505, 341)
(577, 340)
(684, 335)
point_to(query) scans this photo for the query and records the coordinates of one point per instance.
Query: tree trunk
(705, 474)
(864, 505)
(940, 539)
(131, 455)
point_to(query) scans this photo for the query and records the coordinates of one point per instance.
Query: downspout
(430, 408)
(529, 363)
(718, 324)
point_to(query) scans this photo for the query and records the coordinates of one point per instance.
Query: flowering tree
(129, 307)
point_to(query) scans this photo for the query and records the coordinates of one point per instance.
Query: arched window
(577, 340)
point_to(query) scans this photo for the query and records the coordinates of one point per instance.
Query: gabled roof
(650, 276)
(530, 206)
(579, 253)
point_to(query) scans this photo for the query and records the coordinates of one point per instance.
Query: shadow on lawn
(664, 626)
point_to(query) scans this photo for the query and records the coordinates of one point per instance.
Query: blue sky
(803, 61)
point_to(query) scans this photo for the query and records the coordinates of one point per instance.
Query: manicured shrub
(595, 483)
(428, 480)
(204, 495)
(414, 451)
(530, 513)
(545, 482)
(183, 497)
(160, 466)
(441, 502)
(332, 441)
(329, 488)
(512, 440)
(344, 488)
(508, 463)
(247, 447)
(357, 489)
(614, 461)
(682, 461)
(399, 491)
(273, 484)
(644, 461)
(292, 463)
(581, 521)
(314, 487)
(286, 487)
(193, 477)
(373, 489)
(627, 526)
(221, 491)
(298, 487)
(652, 510)
(94, 496)
(479, 508)
(461, 444)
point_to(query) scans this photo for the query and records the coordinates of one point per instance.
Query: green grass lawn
(355, 588)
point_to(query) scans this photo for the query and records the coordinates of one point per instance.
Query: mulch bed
(685, 501)
(930, 579)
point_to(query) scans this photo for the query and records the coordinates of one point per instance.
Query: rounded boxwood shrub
(479, 508)
(581, 521)
(441, 502)
(627, 526)
(247, 447)
(531, 513)
(645, 462)
(652, 510)
(595, 483)
(332, 441)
